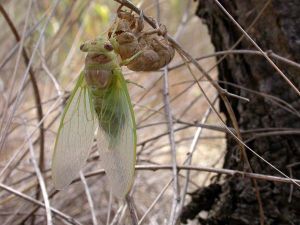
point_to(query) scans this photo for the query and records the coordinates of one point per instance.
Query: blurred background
(32, 99)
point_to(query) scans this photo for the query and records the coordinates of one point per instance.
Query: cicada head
(99, 62)
(100, 52)
(99, 45)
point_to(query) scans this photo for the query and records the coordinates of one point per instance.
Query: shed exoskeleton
(128, 37)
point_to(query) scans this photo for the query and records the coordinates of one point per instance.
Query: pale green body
(99, 101)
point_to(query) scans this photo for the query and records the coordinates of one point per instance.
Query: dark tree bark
(277, 30)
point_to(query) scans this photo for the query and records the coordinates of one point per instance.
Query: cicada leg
(112, 38)
(122, 14)
(161, 30)
(129, 60)
(139, 23)
(134, 83)
(160, 43)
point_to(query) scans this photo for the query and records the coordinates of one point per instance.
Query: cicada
(100, 106)
(128, 37)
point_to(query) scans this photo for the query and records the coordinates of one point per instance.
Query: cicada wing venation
(117, 148)
(75, 136)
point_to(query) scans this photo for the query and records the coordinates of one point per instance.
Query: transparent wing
(117, 153)
(75, 136)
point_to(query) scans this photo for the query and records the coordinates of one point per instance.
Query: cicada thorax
(96, 73)
(128, 32)
(100, 69)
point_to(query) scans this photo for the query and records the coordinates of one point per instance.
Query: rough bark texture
(278, 30)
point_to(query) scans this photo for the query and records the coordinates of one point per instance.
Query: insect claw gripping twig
(160, 43)
(140, 22)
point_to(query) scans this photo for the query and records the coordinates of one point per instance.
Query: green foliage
(97, 20)
(103, 11)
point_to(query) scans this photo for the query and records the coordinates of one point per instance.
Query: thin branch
(132, 211)
(36, 202)
(207, 169)
(155, 201)
(119, 214)
(188, 161)
(40, 179)
(89, 197)
(168, 112)
(243, 52)
(109, 208)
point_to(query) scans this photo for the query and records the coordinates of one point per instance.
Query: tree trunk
(273, 104)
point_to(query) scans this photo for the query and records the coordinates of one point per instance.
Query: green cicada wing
(75, 136)
(118, 154)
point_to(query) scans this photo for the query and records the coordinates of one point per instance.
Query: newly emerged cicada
(99, 103)
(128, 37)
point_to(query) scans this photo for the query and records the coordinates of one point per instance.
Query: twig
(276, 100)
(34, 210)
(40, 178)
(132, 211)
(188, 161)
(89, 198)
(224, 91)
(119, 214)
(155, 201)
(206, 169)
(157, 11)
(173, 148)
(171, 100)
(244, 52)
(109, 208)
(34, 201)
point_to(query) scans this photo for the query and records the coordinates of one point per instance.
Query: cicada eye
(82, 46)
(108, 47)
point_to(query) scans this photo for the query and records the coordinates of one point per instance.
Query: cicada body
(99, 103)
